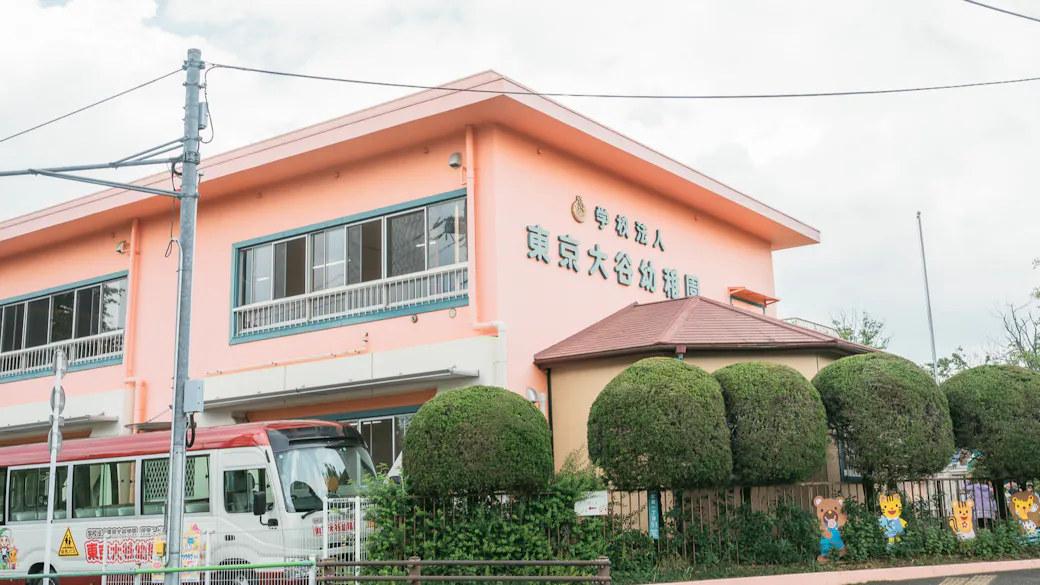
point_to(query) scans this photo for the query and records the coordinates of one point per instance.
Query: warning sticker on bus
(68, 545)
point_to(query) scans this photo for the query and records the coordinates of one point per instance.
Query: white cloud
(856, 168)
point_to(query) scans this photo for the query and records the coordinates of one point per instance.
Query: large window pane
(354, 254)
(335, 258)
(103, 490)
(14, 324)
(113, 305)
(406, 248)
(447, 233)
(379, 436)
(400, 428)
(290, 268)
(88, 309)
(29, 493)
(260, 284)
(239, 487)
(61, 316)
(154, 486)
(318, 261)
(371, 251)
(38, 323)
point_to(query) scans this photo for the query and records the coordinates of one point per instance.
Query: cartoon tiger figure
(890, 521)
(1025, 505)
(962, 522)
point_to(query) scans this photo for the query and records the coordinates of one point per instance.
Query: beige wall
(576, 386)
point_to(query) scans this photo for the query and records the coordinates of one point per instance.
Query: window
(154, 488)
(394, 245)
(384, 437)
(71, 314)
(103, 489)
(446, 228)
(406, 243)
(29, 493)
(239, 487)
(3, 492)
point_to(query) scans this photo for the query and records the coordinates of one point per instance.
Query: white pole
(928, 299)
(104, 558)
(54, 443)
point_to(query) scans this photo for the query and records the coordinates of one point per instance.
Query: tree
(957, 362)
(996, 411)
(889, 416)
(661, 424)
(864, 330)
(1021, 343)
(777, 422)
(477, 440)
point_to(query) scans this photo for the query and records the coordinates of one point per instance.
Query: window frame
(86, 463)
(268, 488)
(140, 495)
(10, 471)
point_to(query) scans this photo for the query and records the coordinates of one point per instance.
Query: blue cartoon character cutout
(8, 552)
(890, 521)
(832, 517)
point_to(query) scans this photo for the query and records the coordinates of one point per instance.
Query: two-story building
(352, 269)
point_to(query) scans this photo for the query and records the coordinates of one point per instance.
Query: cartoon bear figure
(890, 521)
(1025, 506)
(963, 521)
(832, 517)
(8, 552)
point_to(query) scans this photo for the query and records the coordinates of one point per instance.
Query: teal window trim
(237, 247)
(73, 368)
(64, 288)
(361, 414)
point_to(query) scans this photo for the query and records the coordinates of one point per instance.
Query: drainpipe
(471, 237)
(130, 328)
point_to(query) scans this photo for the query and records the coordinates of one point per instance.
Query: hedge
(660, 424)
(477, 440)
(996, 411)
(889, 414)
(777, 422)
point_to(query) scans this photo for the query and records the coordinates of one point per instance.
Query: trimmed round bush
(889, 414)
(996, 411)
(477, 440)
(660, 424)
(777, 422)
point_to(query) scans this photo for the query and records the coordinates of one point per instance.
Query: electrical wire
(1002, 10)
(632, 96)
(97, 103)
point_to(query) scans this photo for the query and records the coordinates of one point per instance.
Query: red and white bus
(112, 492)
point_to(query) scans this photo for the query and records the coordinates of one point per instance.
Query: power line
(1002, 10)
(635, 96)
(97, 103)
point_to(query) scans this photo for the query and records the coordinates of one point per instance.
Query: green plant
(660, 424)
(996, 411)
(777, 421)
(889, 414)
(478, 440)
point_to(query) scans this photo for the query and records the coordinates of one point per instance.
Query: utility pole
(188, 195)
(54, 445)
(186, 246)
(928, 299)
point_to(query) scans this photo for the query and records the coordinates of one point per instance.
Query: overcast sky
(856, 168)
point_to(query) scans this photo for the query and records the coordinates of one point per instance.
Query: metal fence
(286, 573)
(411, 570)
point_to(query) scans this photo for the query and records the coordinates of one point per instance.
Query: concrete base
(869, 575)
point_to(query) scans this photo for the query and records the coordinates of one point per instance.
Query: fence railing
(331, 571)
(446, 283)
(286, 573)
(79, 351)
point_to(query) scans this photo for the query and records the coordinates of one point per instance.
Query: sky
(856, 168)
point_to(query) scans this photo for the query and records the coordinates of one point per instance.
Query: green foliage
(777, 421)
(478, 440)
(864, 330)
(661, 423)
(996, 411)
(890, 415)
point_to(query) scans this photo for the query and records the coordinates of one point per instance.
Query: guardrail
(219, 573)
(414, 566)
(79, 351)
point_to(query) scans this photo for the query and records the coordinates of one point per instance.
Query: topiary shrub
(477, 440)
(660, 424)
(889, 414)
(777, 422)
(996, 411)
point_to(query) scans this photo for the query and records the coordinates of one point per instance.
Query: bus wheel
(37, 569)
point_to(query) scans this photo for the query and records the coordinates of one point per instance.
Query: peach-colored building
(348, 271)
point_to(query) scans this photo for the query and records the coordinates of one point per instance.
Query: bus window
(154, 486)
(28, 493)
(103, 489)
(3, 492)
(239, 487)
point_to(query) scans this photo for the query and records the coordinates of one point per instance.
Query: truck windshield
(311, 473)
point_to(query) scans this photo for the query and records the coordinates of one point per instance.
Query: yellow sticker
(68, 546)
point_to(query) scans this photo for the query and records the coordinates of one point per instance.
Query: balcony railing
(79, 351)
(439, 284)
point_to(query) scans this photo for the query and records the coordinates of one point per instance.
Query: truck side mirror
(259, 503)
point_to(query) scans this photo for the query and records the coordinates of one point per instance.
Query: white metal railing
(79, 351)
(806, 324)
(450, 282)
